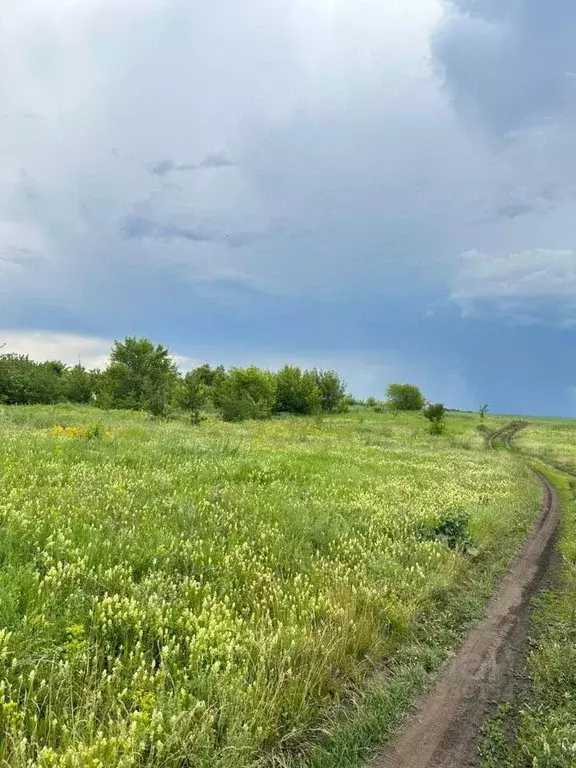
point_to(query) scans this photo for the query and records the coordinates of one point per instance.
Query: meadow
(551, 440)
(208, 596)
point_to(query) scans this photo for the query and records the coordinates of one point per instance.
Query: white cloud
(91, 351)
(516, 278)
(186, 363)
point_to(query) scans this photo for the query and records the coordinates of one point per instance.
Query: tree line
(143, 376)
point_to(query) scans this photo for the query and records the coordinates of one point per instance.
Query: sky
(383, 188)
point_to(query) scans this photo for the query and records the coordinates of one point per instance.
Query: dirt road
(443, 732)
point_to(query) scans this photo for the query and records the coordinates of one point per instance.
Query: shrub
(435, 413)
(191, 395)
(211, 380)
(452, 530)
(90, 432)
(404, 397)
(332, 391)
(25, 382)
(78, 385)
(247, 393)
(297, 391)
(437, 428)
(141, 376)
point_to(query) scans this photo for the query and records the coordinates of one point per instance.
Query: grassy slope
(214, 594)
(544, 728)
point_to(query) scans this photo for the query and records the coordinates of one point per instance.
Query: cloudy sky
(388, 188)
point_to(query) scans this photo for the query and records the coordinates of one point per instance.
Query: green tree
(191, 395)
(404, 397)
(332, 390)
(482, 411)
(435, 413)
(23, 381)
(141, 376)
(247, 393)
(297, 391)
(211, 379)
(78, 385)
(207, 375)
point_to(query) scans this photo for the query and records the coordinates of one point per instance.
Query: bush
(297, 391)
(332, 391)
(79, 385)
(25, 382)
(404, 397)
(90, 432)
(141, 376)
(437, 428)
(191, 395)
(247, 393)
(452, 530)
(211, 380)
(346, 403)
(435, 413)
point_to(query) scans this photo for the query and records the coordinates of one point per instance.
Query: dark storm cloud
(513, 210)
(216, 160)
(211, 160)
(21, 257)
(140, 227)
(509, 63)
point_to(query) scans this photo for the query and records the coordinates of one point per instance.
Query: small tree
(247, 393)
(211, 380)
(482, 411)
(141, 376)
(435, 413)
(23, 381)
(332, 390)
(297, 391)
(404, 397)
(191, 395)
(78, 385)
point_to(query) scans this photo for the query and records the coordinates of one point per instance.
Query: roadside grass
(350, 736)
(235, 595)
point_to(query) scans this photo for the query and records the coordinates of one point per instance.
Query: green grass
(235, 595)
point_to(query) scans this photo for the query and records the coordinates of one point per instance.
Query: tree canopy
(142, 375)
(405, 397)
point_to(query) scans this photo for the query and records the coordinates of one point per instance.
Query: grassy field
(553, 441)
(216, 596)
(544, 727)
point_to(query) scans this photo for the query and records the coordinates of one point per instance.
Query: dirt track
(444, 729)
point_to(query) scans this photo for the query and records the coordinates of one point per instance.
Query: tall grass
(177, 596)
